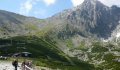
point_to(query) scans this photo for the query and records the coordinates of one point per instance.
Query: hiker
(23, 65)
(15, 64)
(26, 65)
(30, 64)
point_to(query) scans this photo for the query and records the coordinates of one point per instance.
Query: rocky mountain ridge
(91, 18)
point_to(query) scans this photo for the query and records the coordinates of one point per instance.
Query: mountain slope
(81, 31)
(12, 24)
(44, 52)
(91, 18)
(20, 34)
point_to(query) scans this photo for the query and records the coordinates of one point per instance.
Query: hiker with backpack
(26, 65)
(23, 65)
(15, 64)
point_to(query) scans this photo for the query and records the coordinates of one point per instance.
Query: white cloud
(106, 2)
(49, 2)
(76, 2)
(111, 2)
(26, 7)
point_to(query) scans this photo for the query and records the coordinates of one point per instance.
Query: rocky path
(7, 65)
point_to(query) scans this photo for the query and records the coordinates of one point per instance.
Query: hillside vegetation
(44, 52)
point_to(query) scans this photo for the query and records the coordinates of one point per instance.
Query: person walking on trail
(26, 65)
(30, 63)
(15, 64)
(23, 65)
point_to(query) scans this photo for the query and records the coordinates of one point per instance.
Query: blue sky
(44, 8)
(36, 8)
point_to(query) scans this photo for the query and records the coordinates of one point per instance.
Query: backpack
(14, 63)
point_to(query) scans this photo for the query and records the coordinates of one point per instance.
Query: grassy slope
(44, 52)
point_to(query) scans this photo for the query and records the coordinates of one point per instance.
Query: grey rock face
(89, 19)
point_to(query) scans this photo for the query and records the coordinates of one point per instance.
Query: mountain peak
(89, 1)
(91, 4)
(90, 18)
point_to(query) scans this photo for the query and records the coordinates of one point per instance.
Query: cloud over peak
(76, 2)
(106, 2)
(26, 7)
(111, 2)
(49, 2)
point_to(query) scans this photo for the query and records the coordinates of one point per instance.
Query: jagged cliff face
(91, 18)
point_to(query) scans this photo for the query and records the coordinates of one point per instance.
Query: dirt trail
(7, 65)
